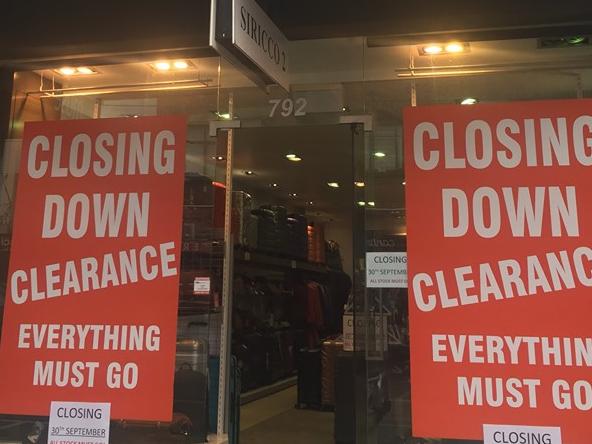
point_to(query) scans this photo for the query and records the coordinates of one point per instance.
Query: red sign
(93, 283)
(499, 225)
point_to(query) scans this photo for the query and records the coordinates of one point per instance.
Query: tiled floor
(275, 420)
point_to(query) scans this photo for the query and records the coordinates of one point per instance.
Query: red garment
(314, 308)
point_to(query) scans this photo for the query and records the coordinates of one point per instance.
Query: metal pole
(225, 339)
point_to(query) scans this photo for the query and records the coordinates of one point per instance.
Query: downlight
(433, 49)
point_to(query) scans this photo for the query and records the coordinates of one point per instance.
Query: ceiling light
(432, 49)
(360, 184)
(67, 71)
(379, 154)
(468, 101)
(249, 173)
(181, 64)
(85, 70)
(444, 48)
(162, 66)
(455, 48)
(362, 203)
(293, 157)
(404, 183)
(333, 184)
(78, 71)
(372, 204)
(273, 185)
(292, 195)
(218, 157)
(310, 202)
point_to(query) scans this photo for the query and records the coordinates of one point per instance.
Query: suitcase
(190, 390)
(345, 398)
(329, 350)
(309, 379)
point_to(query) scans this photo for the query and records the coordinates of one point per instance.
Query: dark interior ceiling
(41, 29)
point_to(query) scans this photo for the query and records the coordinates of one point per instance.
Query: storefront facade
(234, 215)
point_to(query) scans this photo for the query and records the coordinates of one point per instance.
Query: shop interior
(293, 273)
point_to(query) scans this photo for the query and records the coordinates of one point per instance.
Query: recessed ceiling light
(444, 48)
(292, 195)
(249, 173)
(454, 47)
(293, 157)
(85, 70)
(432, 49)
(360, 184)
(372, 204)
(379, 154)
(162, 66)
(76, 71)
(181, 64)
(218, 157)
(333, 184)
(468, 101)
(273, 185)
(404, 182)
(362, 203)
(67, 71)
(310, 202)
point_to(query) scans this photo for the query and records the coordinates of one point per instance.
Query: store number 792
(288, 107)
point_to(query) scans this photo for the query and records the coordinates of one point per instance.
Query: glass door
(296, 228)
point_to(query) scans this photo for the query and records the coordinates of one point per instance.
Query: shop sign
(79, 423)
(386, 270)
(509, 434)
(258, 38)
(93, 282)
(499, 223)
(376, 327)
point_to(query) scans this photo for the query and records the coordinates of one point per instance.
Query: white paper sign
(511, 434)
(386, 270)
(260, 40)
(376, 328)
(201, 286)
(79, 423)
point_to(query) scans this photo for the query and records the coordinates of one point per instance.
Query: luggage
(309, 378)
(345, 398)
(316, 243)
(297, 241)
(190, 390)
(329, 350)
(272, 229)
